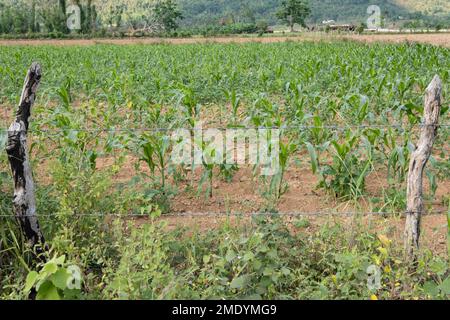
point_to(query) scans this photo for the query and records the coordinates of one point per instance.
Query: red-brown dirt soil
(440, 39)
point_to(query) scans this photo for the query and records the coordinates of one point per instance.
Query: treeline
(208, 12)
(62, 18)
(355, 11)
(37, 18)
(226, 29)
(33, 16)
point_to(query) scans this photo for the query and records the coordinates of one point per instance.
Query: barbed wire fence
(231, 214)
(237, 127)
(24, 202)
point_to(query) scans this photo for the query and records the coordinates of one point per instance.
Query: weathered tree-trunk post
(419, 158)
(24, 199)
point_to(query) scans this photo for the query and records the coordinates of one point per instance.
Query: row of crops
(141, 74)
(345, 110)
(100, 144)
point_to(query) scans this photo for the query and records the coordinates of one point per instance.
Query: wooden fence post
(419, 158)
(24, 201)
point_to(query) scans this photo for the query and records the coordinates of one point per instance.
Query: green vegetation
(294, 11)
(261, 259)
(87, 137)
(49, 16)
(33, 18)
(167, 14)
(343, 11)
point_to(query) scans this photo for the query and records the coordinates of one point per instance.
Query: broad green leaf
(47, 291)
(60, 278)
(445, 286)
(50, 268)
(248, 256)
(239, 282)
(431, 288)
(60, 260)
(206, 259)
(439, 267)
(257, 264)
(230, 256)
(31, 280)
(285, 271)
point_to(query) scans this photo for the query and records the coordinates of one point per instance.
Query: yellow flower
(373, 297)
(384, 240)
(376, 259)
(383, 251)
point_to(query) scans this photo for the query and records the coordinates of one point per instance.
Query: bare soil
(440, 39)
(198, 212)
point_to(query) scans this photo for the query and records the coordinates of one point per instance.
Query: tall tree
(248, 14)
(167, 13)
(62, 6)
(294, 11)
(123, 13)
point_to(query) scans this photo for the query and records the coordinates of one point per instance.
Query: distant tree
(52, 14)
(62, 6)
(88, 23)
(166, 13)
(262, 27)
(248, 14)
(361, 27)
(294, 11)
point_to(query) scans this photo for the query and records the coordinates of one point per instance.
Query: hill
(428, 7)
(207, 11)
(21, 16)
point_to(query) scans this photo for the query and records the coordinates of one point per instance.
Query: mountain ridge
(344, 11)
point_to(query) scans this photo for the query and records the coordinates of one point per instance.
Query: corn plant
(191, 108)
(155, 153)
(209, 154)
(345, 175)
(155, 149)
(190, 115)
(235, 101)
(287, 149)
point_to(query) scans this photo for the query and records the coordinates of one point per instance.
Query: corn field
(110, 200)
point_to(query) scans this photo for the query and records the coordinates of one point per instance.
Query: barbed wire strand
(225, 214)
(290, 127)
(187, 214)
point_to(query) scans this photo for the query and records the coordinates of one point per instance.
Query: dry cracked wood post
(24, 201)
(419, 158)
